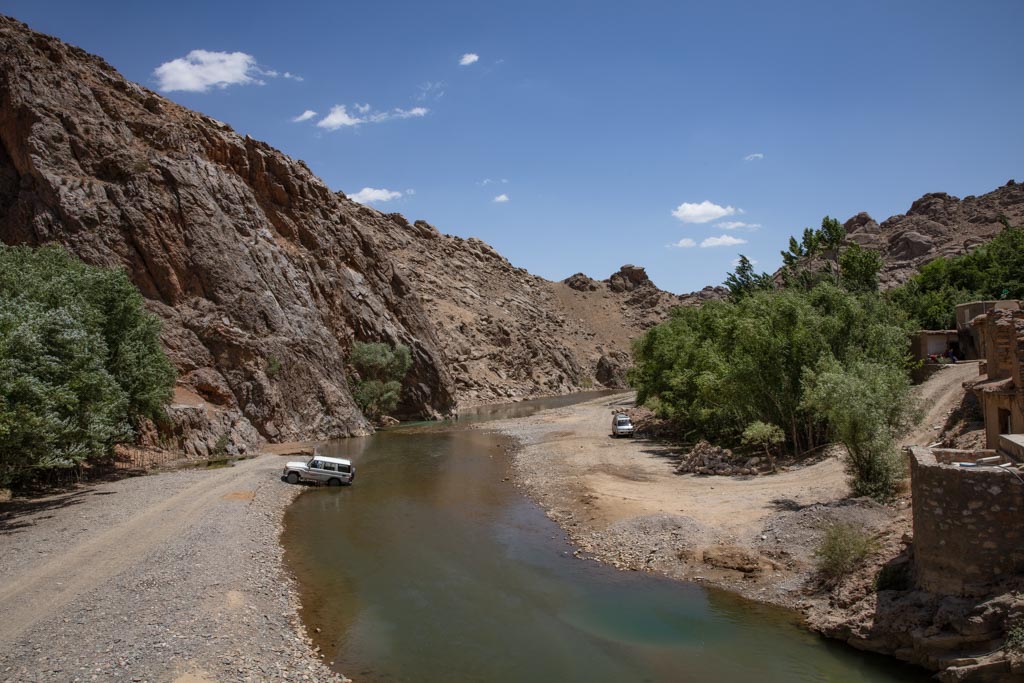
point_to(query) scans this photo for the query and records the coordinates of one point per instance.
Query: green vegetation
(843, 548)
(823, 358)
(80, 362)
(1015, 639)
(380, 369)
(273, 367)
(994, 270)
(764, 435)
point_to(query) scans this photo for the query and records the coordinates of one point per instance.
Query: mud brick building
(968, 504)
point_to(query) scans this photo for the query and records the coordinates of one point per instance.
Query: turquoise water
(432, 567)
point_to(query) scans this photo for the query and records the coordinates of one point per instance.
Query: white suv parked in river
(321, 469)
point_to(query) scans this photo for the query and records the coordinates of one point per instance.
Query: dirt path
(623, 503)
(171, 577)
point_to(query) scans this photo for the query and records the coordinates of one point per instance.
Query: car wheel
(293, 478)
(334, 481)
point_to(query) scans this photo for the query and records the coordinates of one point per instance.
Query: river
(433, 567)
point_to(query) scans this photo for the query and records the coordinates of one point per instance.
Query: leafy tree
(832, 233)
(859, 268)
(80, 361)
(380, 369)
(766, 436)
(867, 405)
(744, 281)
(716, 369)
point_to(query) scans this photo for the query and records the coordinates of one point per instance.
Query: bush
(273, 367)
(843, 548)
(866, 404)
(716, 369)
(80, 362)
(764, 435)
(1015, 639)
(380, 369)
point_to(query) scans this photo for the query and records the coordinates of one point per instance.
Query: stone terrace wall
(967, 522)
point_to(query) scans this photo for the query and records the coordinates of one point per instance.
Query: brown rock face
(261, 275)
(936, 225)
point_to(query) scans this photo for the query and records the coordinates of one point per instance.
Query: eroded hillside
(263, 277)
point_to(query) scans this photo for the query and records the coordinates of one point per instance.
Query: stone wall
(967, 522)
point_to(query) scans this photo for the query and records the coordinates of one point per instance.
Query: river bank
(172, 577)
(622, 503)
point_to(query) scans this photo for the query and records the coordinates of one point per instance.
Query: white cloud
(501, 198)
(722, 241)
(756, 156)
(396, 113)
(410, 191)
(703, 212)
(735, 225)
(432, 90)
(684, 243)
(200, 70)
(468, 58)
(304, 116)
(485, 182)
(368, 195)
(339, 117)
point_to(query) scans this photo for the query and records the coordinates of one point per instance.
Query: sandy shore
(622, 503)
(171, 577)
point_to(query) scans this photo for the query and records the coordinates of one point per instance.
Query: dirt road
(621, 500)
(171, 577)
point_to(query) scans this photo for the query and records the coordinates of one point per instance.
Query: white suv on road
(321, 469)
(621, 425)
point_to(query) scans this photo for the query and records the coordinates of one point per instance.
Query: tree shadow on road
(23, 512)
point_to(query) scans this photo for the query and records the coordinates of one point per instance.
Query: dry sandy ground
(171, 577)
(622, 503)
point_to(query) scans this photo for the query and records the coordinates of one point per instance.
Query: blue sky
(609, 127)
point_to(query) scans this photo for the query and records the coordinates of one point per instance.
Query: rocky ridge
(263, 277)
(937, 224)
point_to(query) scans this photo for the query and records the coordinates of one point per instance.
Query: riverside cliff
(263, 277)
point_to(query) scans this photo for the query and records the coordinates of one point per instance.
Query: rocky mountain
(936, 225)
(263, 277)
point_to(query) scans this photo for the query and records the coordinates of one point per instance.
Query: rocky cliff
(263, 277)
(936, 225)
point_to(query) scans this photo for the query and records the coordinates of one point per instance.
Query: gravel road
(170, 577)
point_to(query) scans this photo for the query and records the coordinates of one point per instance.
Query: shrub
(843, 548)
(273, 367)
(380, 369)
(80, 362)
(764, 435)
(1015, 639)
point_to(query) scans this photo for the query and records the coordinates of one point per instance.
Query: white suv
(621, 425)
(331, 471)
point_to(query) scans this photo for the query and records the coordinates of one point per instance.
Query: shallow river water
(432, 567)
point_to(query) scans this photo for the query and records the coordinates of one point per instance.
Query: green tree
(380, 369)
(80, 361)
(744, 281)
(867, 405)
(716, 369)
(859, 268)
(766, 436)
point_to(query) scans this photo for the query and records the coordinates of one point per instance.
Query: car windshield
(622, 420)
